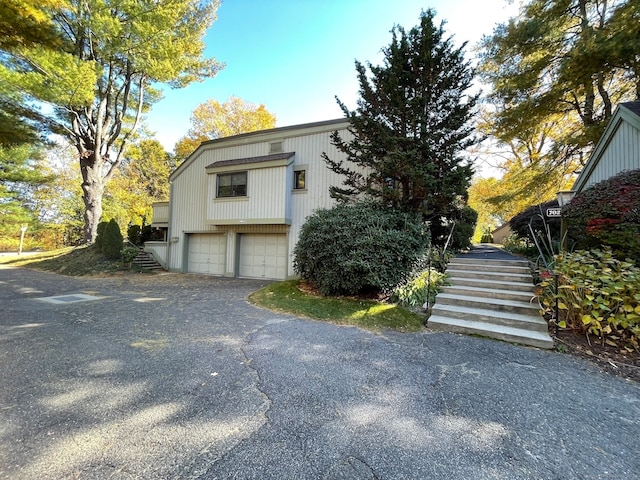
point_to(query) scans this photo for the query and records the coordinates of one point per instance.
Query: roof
(271, 134)
(243, 161)
(277, 130)
(633, 106)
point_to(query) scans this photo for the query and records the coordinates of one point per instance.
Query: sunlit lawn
(287, 297)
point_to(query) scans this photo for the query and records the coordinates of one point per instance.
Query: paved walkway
(488, 252)
(177, 376)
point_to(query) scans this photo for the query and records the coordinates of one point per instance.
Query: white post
(23, 229)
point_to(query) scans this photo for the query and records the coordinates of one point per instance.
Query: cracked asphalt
(178, 377)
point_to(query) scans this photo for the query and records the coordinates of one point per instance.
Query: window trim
(231, 186)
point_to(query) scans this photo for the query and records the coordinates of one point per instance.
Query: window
(232, 184)
(275, 147)
(298, 179)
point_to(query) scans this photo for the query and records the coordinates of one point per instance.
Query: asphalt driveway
(177, 376)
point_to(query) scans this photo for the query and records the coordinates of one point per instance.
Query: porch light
(565, 196)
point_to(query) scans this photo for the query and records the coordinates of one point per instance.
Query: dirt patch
(607, 358)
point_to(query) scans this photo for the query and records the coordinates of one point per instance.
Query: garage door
(207, 254)
(263, 255)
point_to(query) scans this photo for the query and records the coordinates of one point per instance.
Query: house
(501, 233)
(617, 150)
(237, 203)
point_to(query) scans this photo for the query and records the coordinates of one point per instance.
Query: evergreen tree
(411, 124)
(22, 173)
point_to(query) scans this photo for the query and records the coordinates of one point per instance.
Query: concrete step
(488, 292)
(497, 276)
(501, 285)
(500, 332)
(147, 262)
(524, 269)
(474, 261)
(497, 304)
(495, 317)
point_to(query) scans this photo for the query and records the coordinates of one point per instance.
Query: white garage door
(207, 254)
(263, 255)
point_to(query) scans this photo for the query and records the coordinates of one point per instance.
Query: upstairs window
(299, 179)
(232, 185)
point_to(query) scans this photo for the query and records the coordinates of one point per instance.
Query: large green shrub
(597, 294)
(351, 249)
(608, 213)
(111, 244)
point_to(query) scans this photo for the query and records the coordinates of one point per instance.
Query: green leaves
(412, 122)
(567, 60)
(608, 213)
(597, 294)
(357, 248)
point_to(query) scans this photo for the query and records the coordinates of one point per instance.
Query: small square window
(299, 179)
(232, 185)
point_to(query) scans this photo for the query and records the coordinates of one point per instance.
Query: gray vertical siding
(621, 153)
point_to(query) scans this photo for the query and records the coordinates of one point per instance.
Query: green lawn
(372, 315)
(73, 261)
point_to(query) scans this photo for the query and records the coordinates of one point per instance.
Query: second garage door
(207, 254)
(263, 255)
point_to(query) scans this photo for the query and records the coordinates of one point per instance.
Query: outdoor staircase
(147, 261)
(491, 298)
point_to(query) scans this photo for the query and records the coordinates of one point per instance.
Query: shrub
(608, 213)
(415, 292)
(129, 254)
(111, 244)
(134, 234)
(486, 238)
(535, 216)
(100, 235)
(352, 249)
(597, 294)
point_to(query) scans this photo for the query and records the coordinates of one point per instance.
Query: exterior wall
(271, 205)
(617, 150)
(500, 233)
(621, 153)
(160, 214)
(263, 205)
(159, 251)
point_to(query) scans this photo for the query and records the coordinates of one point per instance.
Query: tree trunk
(92, 191)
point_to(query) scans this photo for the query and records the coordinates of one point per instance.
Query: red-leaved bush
(608, 213)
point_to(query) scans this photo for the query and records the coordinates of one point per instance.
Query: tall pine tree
(412, 122)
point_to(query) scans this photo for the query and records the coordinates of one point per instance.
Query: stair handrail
(427, 304)
(131, 244)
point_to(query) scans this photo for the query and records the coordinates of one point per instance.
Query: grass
(372, 315)
(72, 261)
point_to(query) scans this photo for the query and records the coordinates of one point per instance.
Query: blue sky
(295, 56)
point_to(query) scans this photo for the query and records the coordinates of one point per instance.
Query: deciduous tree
(411, 125)
(212, 119)
(142, 180)
(568, 59)
(99, 81)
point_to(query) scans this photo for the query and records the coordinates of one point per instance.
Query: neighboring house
(237, 203)
(617, 150)
(500, 233)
